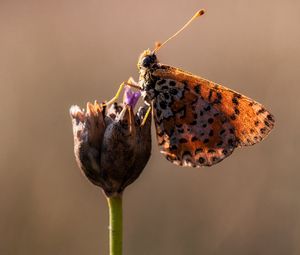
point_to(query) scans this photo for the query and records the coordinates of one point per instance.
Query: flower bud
(111, 147)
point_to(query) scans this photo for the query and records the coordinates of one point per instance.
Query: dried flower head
(110, 145)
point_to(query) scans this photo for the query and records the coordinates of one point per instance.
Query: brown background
(57, 53)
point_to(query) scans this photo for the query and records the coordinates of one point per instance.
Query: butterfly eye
(148, 61)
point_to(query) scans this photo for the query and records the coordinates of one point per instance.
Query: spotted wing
(199, 122)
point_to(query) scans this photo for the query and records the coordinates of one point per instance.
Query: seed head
(111, 147)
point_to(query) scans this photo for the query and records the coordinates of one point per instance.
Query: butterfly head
(147, 60)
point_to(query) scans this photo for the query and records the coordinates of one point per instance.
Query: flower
(111, 147)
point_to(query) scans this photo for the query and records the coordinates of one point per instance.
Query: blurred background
(57, 53)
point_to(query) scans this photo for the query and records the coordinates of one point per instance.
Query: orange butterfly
(198, 122)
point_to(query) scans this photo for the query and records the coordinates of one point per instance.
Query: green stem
(115, 224)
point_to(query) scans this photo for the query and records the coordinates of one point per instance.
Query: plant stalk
(115, 224)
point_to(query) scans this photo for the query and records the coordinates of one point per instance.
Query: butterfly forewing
(199, 122)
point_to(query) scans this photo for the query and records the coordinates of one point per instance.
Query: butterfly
(198, 122)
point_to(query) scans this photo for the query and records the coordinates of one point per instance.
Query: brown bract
(111, 147)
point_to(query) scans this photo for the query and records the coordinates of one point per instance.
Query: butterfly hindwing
(189, 129)
(199, 122)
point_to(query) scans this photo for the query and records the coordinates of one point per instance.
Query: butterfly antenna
(197, 14)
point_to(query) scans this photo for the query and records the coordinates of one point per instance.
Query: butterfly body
(198, 122)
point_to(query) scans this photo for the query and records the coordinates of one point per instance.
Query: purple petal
(131, 97)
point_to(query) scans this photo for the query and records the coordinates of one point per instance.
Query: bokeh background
(57, 53)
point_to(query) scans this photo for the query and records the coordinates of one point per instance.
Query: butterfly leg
(130, 83)
(146, 115)
(117, 95)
